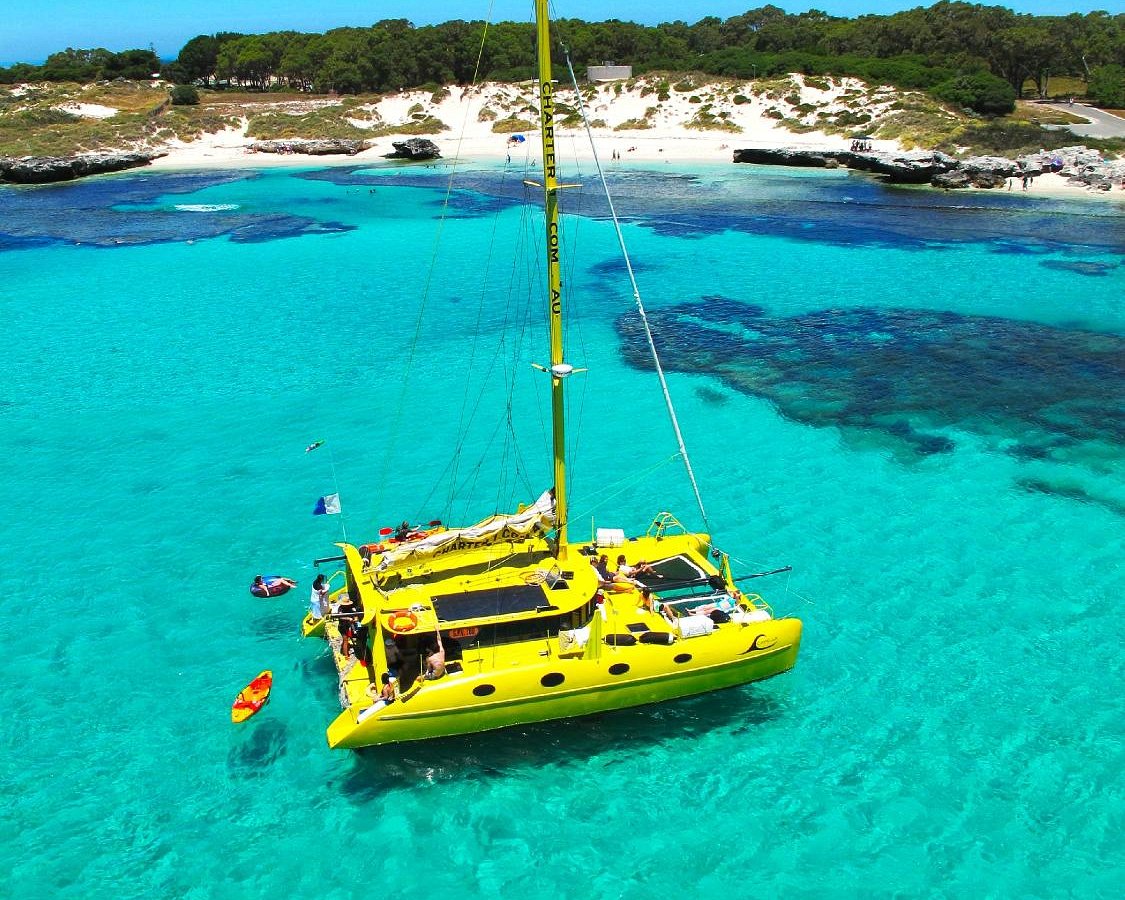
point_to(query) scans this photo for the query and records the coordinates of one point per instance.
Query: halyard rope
(637, 296)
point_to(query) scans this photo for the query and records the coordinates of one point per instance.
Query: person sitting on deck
(390, 688)
(382, 697)
(625, 572)
(601, 568)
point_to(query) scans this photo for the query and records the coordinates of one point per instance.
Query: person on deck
(601, 568)
(435, 662)
(318, 598)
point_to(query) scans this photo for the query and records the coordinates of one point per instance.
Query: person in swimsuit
(435, 661)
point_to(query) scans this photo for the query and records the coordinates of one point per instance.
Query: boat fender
(620, 640)
(401, 621)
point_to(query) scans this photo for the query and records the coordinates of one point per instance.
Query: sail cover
(536, 519)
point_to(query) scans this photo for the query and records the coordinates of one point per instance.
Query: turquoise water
(954, 725)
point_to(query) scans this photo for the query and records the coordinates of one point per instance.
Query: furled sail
(536, 519)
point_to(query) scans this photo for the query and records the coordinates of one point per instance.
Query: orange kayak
(252, 697)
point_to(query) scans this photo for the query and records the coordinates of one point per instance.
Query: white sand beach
(703, 123)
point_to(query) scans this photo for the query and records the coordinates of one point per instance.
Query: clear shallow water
(954, 725)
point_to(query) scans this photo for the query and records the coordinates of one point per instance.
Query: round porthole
(618, 668)
(552, 679)
(483, 690)
(682, 657)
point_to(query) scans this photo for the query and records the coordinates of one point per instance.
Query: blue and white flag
(327, 506)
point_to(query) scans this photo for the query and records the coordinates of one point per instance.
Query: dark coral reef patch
(915, 377)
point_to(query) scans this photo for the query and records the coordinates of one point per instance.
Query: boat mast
(554, 278)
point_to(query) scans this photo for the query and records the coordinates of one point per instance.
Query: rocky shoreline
(47, 169)
(1079, 165)
(310, 146)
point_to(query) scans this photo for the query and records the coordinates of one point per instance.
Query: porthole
(682, 657)
(483, 690)
(618, 668)
(552, 679)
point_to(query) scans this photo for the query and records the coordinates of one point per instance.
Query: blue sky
(32, 30)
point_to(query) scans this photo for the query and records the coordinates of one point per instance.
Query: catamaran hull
(653, 674)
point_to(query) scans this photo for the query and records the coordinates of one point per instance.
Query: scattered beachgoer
(402, 531)
(647, 601)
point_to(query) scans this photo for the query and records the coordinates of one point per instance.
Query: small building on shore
(608, 71)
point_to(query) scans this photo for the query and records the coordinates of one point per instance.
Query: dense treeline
(979, 56)
(85, 66)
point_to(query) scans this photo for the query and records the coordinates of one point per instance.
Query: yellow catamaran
(459, 630)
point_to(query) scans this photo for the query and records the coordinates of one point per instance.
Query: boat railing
(662, 523)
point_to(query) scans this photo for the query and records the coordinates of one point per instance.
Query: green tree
(1107, 86)
(198, 57)
(135, 65)
(184, 95)
(978, 91)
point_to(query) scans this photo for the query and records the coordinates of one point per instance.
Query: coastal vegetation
(978, 57)
(947, 77)
(61, 119)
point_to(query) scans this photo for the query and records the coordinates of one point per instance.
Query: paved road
(1101, 124)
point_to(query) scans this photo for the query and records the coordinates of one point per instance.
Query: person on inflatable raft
(271, 585)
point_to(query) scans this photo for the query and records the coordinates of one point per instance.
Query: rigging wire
(381, 476)
(637, 297)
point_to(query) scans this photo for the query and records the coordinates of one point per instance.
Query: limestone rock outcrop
(46, 169)
(311, 146)
(415, 148)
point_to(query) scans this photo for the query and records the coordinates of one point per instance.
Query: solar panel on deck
(491, 602)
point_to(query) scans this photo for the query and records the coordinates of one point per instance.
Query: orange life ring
(373, 548)
(401, 621)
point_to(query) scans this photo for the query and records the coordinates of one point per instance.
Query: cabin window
(483, 690)
(618, 668)
(682, 657)
(552, 679)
